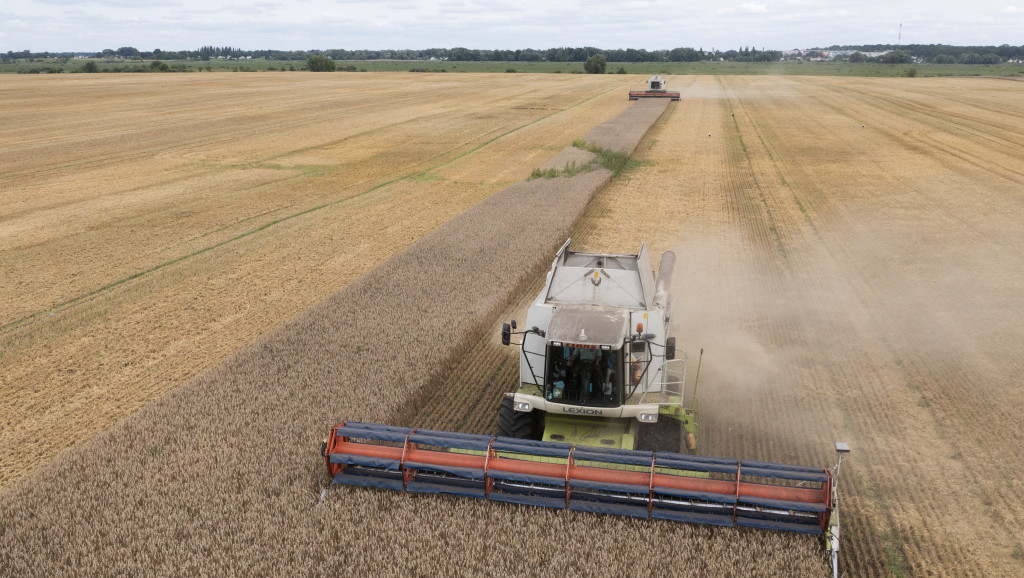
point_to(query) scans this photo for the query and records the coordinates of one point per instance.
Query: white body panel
(655, 83)
(630, 411)
(607, 288)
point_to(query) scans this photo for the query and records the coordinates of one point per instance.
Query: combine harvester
(598, 423)
(655, 89)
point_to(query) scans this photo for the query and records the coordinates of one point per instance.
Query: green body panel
(619, 433)
(686, 416)
(610, 432)
(595, 432)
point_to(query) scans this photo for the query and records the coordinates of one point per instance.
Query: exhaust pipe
(662, 289)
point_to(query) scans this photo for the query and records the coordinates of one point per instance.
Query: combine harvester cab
(655, 89)
(598, 423)
(596, 365)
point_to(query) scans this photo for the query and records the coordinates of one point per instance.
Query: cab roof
(599, 279)
(588, 325)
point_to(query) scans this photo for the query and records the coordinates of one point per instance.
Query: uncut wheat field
(192, 263)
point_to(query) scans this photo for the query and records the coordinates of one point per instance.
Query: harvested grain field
(849, 258)
(848, 282)
(149, 229)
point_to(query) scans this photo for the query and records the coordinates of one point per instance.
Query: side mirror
(670, 348)
(513, 324)
(506, 333)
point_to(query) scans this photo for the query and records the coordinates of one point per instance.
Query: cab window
(584, 376)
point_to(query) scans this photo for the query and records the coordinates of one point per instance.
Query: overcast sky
(92, 25)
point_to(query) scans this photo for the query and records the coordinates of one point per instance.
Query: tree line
(936, 53)
(944, 53)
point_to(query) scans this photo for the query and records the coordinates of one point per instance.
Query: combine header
(655, 89)
(598, 423)
(666, 485)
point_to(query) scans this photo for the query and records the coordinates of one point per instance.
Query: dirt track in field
(849, 258)
(150, 228)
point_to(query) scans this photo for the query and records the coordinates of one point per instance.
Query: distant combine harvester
(655, 89)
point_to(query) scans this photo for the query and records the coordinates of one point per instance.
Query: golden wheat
(222, 476)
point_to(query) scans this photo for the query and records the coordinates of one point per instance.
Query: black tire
(518, 424)
(664, 436)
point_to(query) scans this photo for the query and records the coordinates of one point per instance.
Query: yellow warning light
(639, 327)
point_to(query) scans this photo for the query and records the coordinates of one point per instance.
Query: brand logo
(582, 410)
(580, 346)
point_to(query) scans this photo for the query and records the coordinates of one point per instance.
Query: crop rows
(222, 475)
(847, 282)
(847, 256)
(849, 279)
(232, 457)
(141, 253)
(617, 220)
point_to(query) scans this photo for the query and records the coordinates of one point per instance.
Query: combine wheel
(518, 424)
(665, 435)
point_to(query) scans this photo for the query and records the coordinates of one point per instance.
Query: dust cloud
(870, 334)
(695, 91)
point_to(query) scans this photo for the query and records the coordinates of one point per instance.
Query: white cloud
(746, 8)
(88, 25)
